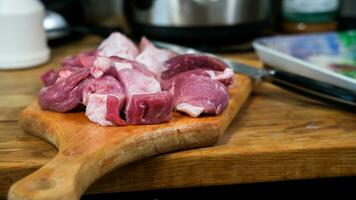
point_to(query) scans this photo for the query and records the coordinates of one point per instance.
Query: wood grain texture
(276, 136)
(87, 151)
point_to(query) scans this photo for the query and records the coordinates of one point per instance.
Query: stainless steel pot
(191, 13)
(202, 22)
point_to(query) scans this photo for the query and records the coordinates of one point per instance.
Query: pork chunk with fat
(104, 109)
(105, 98)
(152, 57)
(119, 45)
(195, 95)
(146, 104)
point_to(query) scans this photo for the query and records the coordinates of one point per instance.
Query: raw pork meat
(136, 82)
(103, 85)
(118, 79)
(225, 77)
(69, 64)
(149, 108)
(104, 98)
(49, 77)
(152, 57)
(111, 65)
(146, 104)
(65, 94)
(104, 109)
(195, 95)
(84, 59)
(187, 62)
(119, 45)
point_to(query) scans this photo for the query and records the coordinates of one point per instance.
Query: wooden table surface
(276, 136)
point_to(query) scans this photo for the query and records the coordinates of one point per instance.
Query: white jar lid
(22, 36)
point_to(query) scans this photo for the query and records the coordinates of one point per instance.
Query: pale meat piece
(112, 65)
(144, 43)
(105, 98)
(146, 104)
(96, 109)
(195, 95)
(152, 57)
(100, 65)
(119, 45)
(136, 82)
(104, 109)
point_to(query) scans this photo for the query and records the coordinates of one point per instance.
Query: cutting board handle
(58, 179)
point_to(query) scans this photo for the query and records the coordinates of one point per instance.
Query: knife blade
(317, 90)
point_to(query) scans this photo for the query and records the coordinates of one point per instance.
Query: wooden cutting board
(87, 151)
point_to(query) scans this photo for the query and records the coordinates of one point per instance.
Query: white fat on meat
(100, 65)
(96, 109)
(154, 58)
(136, 82)
(122, 65)
(193, 111)
(217, 75)
(63, 75)
(119, 45)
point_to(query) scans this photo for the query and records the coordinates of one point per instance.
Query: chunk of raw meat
(49, 77)
(136, 82)
(151, 108)
(100, 65)
(65, 94)
(152, 57)
(63, 74)
(225, 77)
(199, 94)
(105, 98)
(104, 109)
(187, 62)
(119, 45)
(69, 65)
(112, 65)
(84, 59)
(146, 104)
(103, 85)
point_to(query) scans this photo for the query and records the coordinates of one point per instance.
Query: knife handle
(321, 91)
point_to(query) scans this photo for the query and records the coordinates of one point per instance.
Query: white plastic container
(23, 41)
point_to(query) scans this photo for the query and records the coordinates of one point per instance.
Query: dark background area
(341, 187)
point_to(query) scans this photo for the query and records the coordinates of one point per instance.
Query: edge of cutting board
(87, 151)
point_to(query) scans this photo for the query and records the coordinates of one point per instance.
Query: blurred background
(213, 25)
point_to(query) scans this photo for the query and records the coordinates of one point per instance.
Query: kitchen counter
(276, 136)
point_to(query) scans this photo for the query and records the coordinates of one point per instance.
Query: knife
(317, 90)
